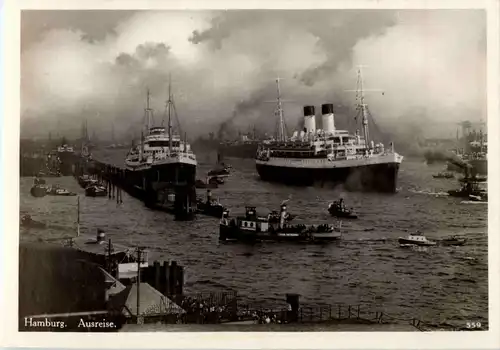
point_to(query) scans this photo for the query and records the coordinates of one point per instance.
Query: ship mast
(360, 95)
(169, 108)
(361, 105)
(281, 126)
(148, 111)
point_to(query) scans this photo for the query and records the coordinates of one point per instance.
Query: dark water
(436, 284)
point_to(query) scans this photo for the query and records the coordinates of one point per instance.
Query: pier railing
(213, 308)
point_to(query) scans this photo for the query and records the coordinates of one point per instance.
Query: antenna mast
(360, 96)
(361, 105)
(281, 134)
(148, 111)
(169, 107)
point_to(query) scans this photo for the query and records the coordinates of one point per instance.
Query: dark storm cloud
(98, 64)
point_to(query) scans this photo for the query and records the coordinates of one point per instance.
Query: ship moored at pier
(329, 155)
(162, 158)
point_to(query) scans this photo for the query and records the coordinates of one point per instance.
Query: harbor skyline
(126, 57)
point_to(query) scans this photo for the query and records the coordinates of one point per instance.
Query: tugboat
(470, 187)
(221, 169)
(415, 239)
(444, 175)
(57, 191)
(39, 188)
(96, 190)
(338, 209)
(454, 241)
(210, 207)
(252, 228)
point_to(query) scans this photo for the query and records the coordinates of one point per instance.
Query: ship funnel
(328, 118)
(309, 119)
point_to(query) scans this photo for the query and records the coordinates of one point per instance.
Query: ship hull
(157, 176)
(68, 159)
(370, 177)
(227, 233)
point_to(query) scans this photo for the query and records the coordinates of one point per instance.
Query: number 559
(473, 325)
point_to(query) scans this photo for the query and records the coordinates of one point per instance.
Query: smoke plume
(430, 64)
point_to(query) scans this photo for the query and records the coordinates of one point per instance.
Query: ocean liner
(329, 155)
(162, 158)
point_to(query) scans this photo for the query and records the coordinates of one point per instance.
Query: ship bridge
(157, 130)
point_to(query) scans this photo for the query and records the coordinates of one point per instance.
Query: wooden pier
(178, 199)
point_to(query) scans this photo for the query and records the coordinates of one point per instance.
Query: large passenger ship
(318, 156)
(162, 158)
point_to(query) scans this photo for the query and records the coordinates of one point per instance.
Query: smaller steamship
(329, 155)
(162, 157)
(161, 169)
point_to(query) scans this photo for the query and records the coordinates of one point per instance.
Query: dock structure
(83, 289)
(178, 199)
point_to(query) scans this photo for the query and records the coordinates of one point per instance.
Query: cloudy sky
(96, 65)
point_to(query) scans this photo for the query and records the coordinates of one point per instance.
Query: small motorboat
(415, 239)
(453, 241)
(220, 170)
(86, 180)
(28, 222)
(444, 175)
(210, 208)
(338, 209)
(39, 191)
(57, 191)
(483, 197)
(96, 190)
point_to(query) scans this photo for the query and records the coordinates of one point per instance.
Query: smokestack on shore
(328, 118)
(309, 119)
